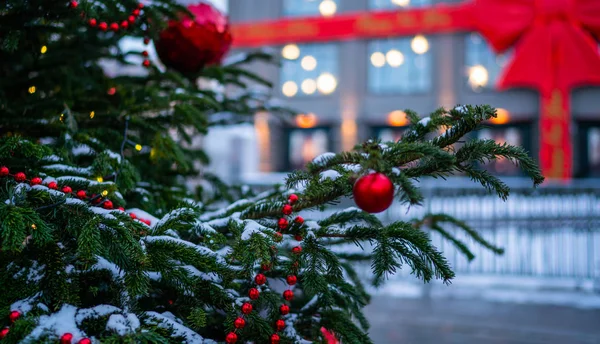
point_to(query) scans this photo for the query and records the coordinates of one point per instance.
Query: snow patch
(321, 159)
(329, 174)
(165, 321)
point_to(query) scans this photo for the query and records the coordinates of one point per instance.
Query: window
(387, 134)
(483, 66)
(305, 145)
(396, 4)
(400, 66)
(309, 70)
(301, 8)
(516, 135)
(590, 144)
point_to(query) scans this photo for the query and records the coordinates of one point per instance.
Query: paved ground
(463, 321)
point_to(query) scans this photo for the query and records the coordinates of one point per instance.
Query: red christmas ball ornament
(299, 220)
(298, 237)
(291, 279)
(14, 315)
(121, 209)
(260, 279)
(146, 40)
(85, 341)
(146, 63)
(20, 177)
(93, 22)
(114, 27)
(280, 324)
(107, 204)
(297, 250)
(288, 295)
(124, 24)
(35, 181)
(133, 216)
(275, 338)
(253, 293)
(131, 19)
(53, 186)
(81, 194)
(66, 338)
(284, 309)
(187, 45)
(145, 53)
(111, 91)
(278, 237)
(293, 198)
(103, 26)
(136, 12)
(4, 171)
(148, 222)
(140, 5)
(287, 209)
(231, 338)
(4, 332)
(67, 189)
(247, 308)
(283, 223)
(373, 193)
(239, 322)
(265, 267)
(73, 4)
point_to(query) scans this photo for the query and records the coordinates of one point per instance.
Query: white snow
(173, 214)
(352, 167)
(143, 215)
(113, 155)
(104, 264)
(396, 171)
(58, 324)
(82, 149)
(253, 227)
(106, 213)
(95, 312)
(51, 158)
(200, 249)
(425, 121)
(211, 276)
(25, 305)
(190, 336)
(321, 159)
(329, 174)
(123, 325)
(461, 108)
(310, 303)
(69, 169)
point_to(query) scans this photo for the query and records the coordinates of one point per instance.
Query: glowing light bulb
(397, 118)
(289, 89)
(378, 59)
(306, 120)
(33, 226)
(478, 76)
(92, 114)
(104, 193)
(100, 179)
(419, 44)
(326, 83)
(44, 49)
(138, 147)
(402, 3)
(32, 90)
(308, 86)
(62, 117)
(394, 58)
(502, 117)
(308, 63)
(290, 52)
(327, 8)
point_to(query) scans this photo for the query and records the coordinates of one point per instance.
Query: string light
(378, 59)
(419, 44)
(308, 63)
(138, 147)
(104, 193)
(32, 89)
(152, 153)
(326, 83)
(100, 179)
(394, 58)
(44, 49)
(92, 114)
(33, 226)
(62, 117)
(290, 52)
(289, 88)
(308, 86)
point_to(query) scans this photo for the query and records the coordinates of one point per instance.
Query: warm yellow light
(92, 114)
(308, 86)
(397, 118)
(502, 117)
(289, 89)
(290, 52)
(100, 179)
(326, 83)
(394, 58)
(32, 89)
(152, 153)
(308, 63)
(105, 193)
(306, 120)
(33, 226)
(402, 3)
(478, 76)
(44, 49)
(419, 44)
(62, 117)
(138, 147)
(327, 8)
(378, 59)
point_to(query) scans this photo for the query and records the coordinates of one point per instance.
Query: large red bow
(554, 51)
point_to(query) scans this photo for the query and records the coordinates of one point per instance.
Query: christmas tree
(87, 157)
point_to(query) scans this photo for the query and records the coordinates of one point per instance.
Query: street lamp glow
(289, 89)
(478, 76)
(378, 59)
(394, 58)
(290, 52)
(327, 8)
(326, 83)
(308, 86)
(308, 63)
(419, 44)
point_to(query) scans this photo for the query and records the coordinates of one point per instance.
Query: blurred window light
(482, 66)
(308, 86)
(289, 89)
(395, 4)
(290, 52)
(378, 59)
(303, 8)
(326, 83)
(419, 44)
(308, 63)
(305, 145)
(403, 71)
(315, 69)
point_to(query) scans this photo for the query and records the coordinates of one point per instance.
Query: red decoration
(253, 293)
(145, 53)
(275, 338)
(140, 5)
(146, 40)
(298, 237)
(20, 177)
(247, 308)
(114, 27)
(53, 186)
(297, 250)
(282, 223)
(146, 63)
(133, 216)
(239, 322)
(4, 332)
(278, 237)
(111, 91)
(280, 324)
(287, 209)
(260, 279)
(146, 221)
(284, 309)
(81, 194)
(74, 4)
(107, 204)
(288, 295)
(14, 315)
(121, 209)
(67, 189)
(265, 267)
(35, 181)
(93, 22)
(136, 12)
(103, 26)
(4, 171)
(188, 45)
(299, 220)
(131, 19)
(85, 341)
(373, 193)
(291, 279)
(66, 338)
(231, 338)
(329, 336)
(124, 24)
(293, 198)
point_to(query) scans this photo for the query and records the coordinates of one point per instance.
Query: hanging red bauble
(4, 171)
(280, 324)
(53, 186)
(81, 194)
(20, 177)
(284, 309)
(260, 279)
(293, 198)
(247, 308)
(231, 338)
(288, 295)
(107, 204)
(253, 293)
(239, 322)
(4, 332)
(131, 19)
(93, 22)
(282, 223)
(291, 279)
(35, 181)
(103, 26)
(136, 12)
(74, 4)
(275, 338)
(287, 209)
(66, 338)
(299, 220)
(85, 341)
(67, 189)
(189, 44)
(14, 315)
(124, 24)
(373, 193)
(297, 250)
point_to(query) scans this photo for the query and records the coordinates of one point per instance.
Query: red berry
(124, 24)
(298, 237)
(114, 27)
(297, 250)
(293, 198)
(4, 332)
(284, 309)
(146, 40)
(140, 5)
(53, 186)
(20, 177)
(4, 171)
(93, 22)
(131, 19)
(85, 341)
(35, 181)
(103, 26)
(121, 209)
(287, 209)
(133, 216)
(280, 324)
(278, 237)
(288, 295)
(14, 315)
(136, 12)
(67, 189)
(275, 338)
(291, 279)
(253, 293)
(74, 4)
(247, 308)
(111, 91)
(66, 338)
(283, 223)
(260, 279)
(146, 63)
(231, 338)
(299, 220)
(145, 53)
(81, 194)
(239, 322)
(107, 204)
(146, 221)
(265, 267)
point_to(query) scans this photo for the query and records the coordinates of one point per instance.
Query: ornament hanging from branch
(373, 193)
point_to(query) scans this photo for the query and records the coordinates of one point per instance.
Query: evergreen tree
(77, 147)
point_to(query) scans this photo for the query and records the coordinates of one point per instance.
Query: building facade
(351, 90)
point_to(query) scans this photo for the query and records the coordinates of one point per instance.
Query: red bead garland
(81, 194)
(287, 209)
(291, 280)
(85, 341)
(239, 322)
(247, 308)
(4, 171)
(14, 315)
(66, 338)
(20, 177)
(53, 186)
(231, 338)
(299, 220)
(293, 198)
(67, 189)
(297, 250)
(253, 294)
(35, 181)
(4, 332)
(107, 204)
(275, 338)
(103, 26)
(284, 309)
(280, 324)
(92, 22)
(288, 295)
(260, 279)
(282, 223)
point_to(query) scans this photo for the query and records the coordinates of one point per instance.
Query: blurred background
(546, 287)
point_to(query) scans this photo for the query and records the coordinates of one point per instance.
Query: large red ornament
(190, 44)
(373, 193)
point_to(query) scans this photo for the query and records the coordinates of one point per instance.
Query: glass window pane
(400, 65)
(309, 70)
(483, 66)
(593, 158)
(305, 145)
(301, 8)
(395, 4)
